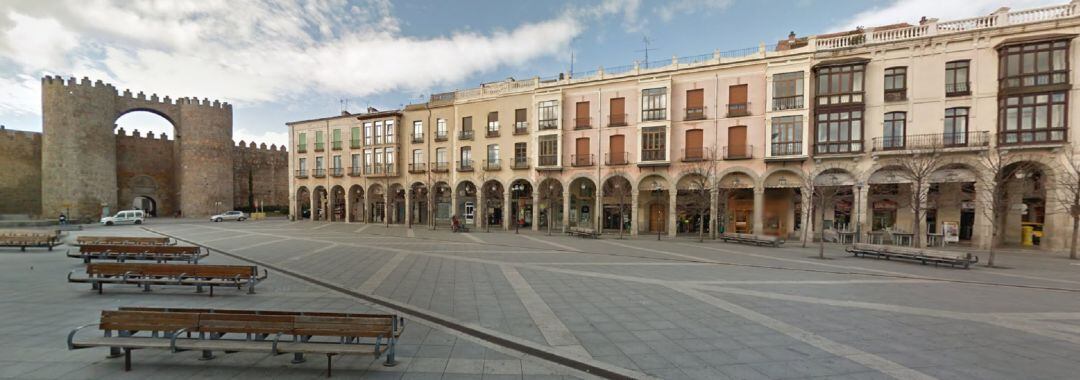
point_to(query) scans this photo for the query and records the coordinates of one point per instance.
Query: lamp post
(551, 207)
(517, 189)
(657, 193)
(858, 216)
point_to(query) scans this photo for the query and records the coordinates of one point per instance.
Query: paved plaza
(638, 307)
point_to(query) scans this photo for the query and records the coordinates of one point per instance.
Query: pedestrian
(454, 226)
(63, 219)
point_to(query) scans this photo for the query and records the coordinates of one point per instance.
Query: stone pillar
(314, 206)
(863, 220)
(714, 194)
(480, 209)
(348, 208)
(982, 235)
(453, 204)
(807, 234)
(633, 212)
(566, 208)
(598, 211)
(536, 210)
(672, 219)
(759, 211)
(408, 210)
(508, 218)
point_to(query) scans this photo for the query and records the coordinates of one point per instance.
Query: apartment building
(727, 141)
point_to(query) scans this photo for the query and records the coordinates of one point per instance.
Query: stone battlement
(16, 136)
(262, 147)
(120, 132)
(59, 82)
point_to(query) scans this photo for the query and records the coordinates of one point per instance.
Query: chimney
(345, 113)
(372, 110)
(791, 36)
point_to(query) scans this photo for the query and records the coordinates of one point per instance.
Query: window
(319, 163)
(654, 104)
(738, 105)
(786, 135)
(440, 157)
(302, 165)
(378, 159)
(378, 132)
(466, 132)
(956, 120)
(549, 115)
(493, 153)
(466, 157)
(368, 161)
(788, 91)
(336, 139)
(549, 150)
(895, 84)
(840, 84)
(367, 133)
(440, 129)
(839, 132)
(1036, 64)
(617, 109)
(417, 156)
(493, 124)
(956, 78)
(418, 131)
(301, 143)
(653, 144)
(694, 151)
(319, 143)
(521, 155)
(893, 133)
(1035, 118)
(581, 116)
(354, 137)
(581, 156)
(695, 104)
(337, 161)
(355, 168)
(521, 121)
(390, 131)
(617, 154)
(390, 160)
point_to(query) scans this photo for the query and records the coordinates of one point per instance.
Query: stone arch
(303, 203)
(822, 167)
(396, 203)
(606, 177)
(356, 203)
(337, 203)
(772, 177)
(493, 201)
(739, 169)
(582, 190)
(319, 205)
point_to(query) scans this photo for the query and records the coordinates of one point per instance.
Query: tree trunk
(821, 239)
(806, 226)
(1076, 229)
(551, 215)
(701, 229)
(993, 242)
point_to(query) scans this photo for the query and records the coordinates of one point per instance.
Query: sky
(280, 61)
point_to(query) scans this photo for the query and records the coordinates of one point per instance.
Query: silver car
(238, 216)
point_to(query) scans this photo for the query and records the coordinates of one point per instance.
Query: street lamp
(858, 216)
(657, 193)
(517, 190)
(551, 207)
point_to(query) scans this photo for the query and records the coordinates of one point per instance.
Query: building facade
(733, 141)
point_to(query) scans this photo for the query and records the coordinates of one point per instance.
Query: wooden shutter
(581, 115)
(737, 141)
(694, 139)
(582, 150)
(520, 115)
(695, 99)
(466, 123)
(493, 117)
(737, 94)
(618, 111)
(617, 150)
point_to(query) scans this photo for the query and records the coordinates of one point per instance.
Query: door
(656, 218)
(582, 152)
(737, 142)
(967, 224)
(617, 149)
(470, 212)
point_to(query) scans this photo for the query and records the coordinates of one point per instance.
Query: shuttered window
(618, 112)
(581, 116)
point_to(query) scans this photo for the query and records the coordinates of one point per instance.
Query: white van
(124, 217)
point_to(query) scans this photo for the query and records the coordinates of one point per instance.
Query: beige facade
(623, 147)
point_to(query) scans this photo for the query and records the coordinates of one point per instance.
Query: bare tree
(996, 168)
(1068, 195)
(435, 193)
(700, 181)
(917, 169)
(820, 195)
(549, 193)
(619, 188)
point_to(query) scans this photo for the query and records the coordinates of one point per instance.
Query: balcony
(896, 95)
(653, 155)
(318, 173)
(1032, 137)
(658, 114)
(617, 120)
(958, 89)
(693, 154)
(787, 103)
(301, 173)
(791, 148)
(354, 171)
(369, 169)
(548, 160)
(521, 128)
(301, 148)
(519, 163)
(465, 134)
(376, 169)
(582, 123)
(354, 144)
(440, 136)
(337, 172)
(465, 166)
(616, 159)
(319, 147)
(696, 113)
(582, 160)
(738, 152)
(546, 124)
(932, 141)
(417, 167)
(838, 147)
(738, 109)
(335, 145)
(440, 167)
(417, 138)
(492, 165)
(492, 133)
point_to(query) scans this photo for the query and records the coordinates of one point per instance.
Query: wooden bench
(29, 238)
(98, 274)
(759, 240)
(925, 256)
(157, 253)
(123, 240)
(274, 333)
(582, 232)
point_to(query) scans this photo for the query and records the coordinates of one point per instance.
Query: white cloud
(35, 42)
(670, 9)
(911, 11)
(20, 95)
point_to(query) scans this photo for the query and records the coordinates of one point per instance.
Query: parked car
(238, 216)
(125, 217)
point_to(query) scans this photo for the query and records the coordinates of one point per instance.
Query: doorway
(656, 218)
(146, 204)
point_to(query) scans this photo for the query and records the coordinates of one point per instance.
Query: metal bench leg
(329, 367)
(114, 352)
(127, 359)
(206, 354)
(251, 286)
(211, 290)
(299, 356)
(146, 286)
(198, 289)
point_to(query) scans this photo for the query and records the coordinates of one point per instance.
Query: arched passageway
(521, 205)
(356, 203)
(492, 204)
(302, 208)
(618, 194)
(582, 211)
(321, 204)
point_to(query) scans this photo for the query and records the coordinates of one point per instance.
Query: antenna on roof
(344, 104)
(645, 39)
(572, 56)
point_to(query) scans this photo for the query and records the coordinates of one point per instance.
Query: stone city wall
(20, 178)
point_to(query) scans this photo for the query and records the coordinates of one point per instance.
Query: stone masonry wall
(260, 174)
(20, 178)
(145, 167)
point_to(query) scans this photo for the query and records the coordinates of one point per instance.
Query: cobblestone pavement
(669, 309)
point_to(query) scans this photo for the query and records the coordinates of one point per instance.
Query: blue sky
(279, 62)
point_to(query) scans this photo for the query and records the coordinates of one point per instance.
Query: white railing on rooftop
(1000, 18)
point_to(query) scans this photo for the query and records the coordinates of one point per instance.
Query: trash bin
(1026, 234)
